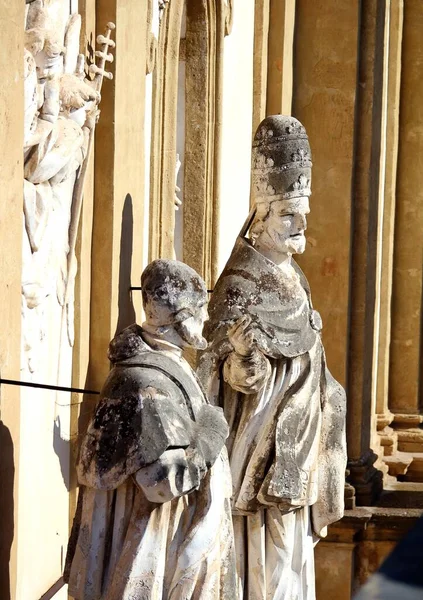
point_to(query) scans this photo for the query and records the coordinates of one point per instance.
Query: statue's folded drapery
(286, 415)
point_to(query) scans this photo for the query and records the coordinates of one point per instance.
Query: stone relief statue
(60, 114)
(266, 366)
(154, 516)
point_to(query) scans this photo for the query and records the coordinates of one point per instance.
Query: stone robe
(287, 419)
(149, 525)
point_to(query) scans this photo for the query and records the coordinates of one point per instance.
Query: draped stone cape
(285, 326)
(131, 429)
(122, 545)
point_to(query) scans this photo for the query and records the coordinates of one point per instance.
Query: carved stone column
(366, 470)
(405, 399)
(388, 437)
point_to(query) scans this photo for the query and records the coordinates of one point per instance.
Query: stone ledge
(373, 523)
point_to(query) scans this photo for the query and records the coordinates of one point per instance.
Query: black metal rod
(139, 288)
(51, 592)
(43, 386)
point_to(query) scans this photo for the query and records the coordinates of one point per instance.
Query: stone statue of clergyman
(266, 366)
(154, 516)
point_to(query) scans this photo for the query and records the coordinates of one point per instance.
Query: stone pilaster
(261, 35)
(82, 317)
(119, 183)
(324, 99)
(280, 57)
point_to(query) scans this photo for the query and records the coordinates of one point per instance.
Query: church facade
(126, 132)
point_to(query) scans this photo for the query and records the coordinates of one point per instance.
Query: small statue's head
(175, 298)
(281, 179)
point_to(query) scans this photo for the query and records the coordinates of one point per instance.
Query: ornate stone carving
(60, 115)
(266, 365)
(163, 152)
(153, 465)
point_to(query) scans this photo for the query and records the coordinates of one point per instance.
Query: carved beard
(191, 338)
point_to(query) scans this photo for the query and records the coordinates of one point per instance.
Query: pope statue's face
(286, 224)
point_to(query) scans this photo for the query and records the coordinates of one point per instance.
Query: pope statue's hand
(246, 369)
(241, 337)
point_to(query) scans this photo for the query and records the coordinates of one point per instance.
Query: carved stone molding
(409, 431)
(206, 26)
(207, 21)
(366, 479)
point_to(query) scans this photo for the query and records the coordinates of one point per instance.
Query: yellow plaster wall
(325, 78)
(119, 184)
(11, 168)
(237, 114)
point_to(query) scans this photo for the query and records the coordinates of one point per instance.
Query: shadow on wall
(126, 314)
(7, 476)
(61, 448)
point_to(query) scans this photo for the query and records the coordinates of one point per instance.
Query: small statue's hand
(211, 433)
(241, 337)
(211, 419)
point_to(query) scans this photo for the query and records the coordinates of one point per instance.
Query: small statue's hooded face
(175, 300)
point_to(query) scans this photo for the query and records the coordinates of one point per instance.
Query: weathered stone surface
(60, 115)
(265, 365)
(153, 440)
(60, 112)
